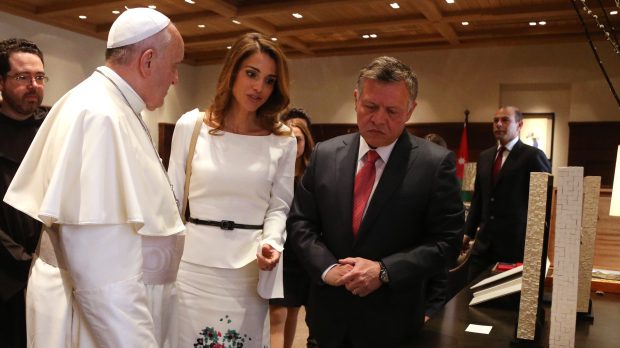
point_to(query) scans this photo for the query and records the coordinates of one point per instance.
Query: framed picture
(537, 131)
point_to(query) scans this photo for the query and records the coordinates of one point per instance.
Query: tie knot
(501, 150)
(372, 156)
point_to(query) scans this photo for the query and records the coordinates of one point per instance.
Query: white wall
(70, 58)
(560, 78)
(540, 97)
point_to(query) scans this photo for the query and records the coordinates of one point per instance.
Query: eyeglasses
(24, 79)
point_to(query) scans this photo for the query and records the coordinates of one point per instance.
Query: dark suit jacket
(412, 224)
(19, 233)
(500, 210)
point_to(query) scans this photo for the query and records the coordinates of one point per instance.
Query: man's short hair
(518, 115)
(513, 110)
(389, 69)
(296, 113)
(14, 45)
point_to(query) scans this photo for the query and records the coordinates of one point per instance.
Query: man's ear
(145, 62)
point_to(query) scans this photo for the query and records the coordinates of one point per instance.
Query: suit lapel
(345, 166)
(401, 159)
(486, 168)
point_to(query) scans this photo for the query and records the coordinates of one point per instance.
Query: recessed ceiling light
(450, 1)
(228, 47)
(82, 17)
(190, 2)
(532, 24)
(236, 21)
(542, 23)
(297, 15)
(274, 39)
(152, 7)
(365, 36)
(201, 26)
(465, 23)
(613, 13)
(374, 36)
(394, 5)
(116, 12)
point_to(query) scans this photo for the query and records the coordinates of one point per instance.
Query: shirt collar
(383, 151)
(135, 101)
(510, 144)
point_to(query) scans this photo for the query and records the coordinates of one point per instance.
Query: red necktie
(497, 165)
(364, 181)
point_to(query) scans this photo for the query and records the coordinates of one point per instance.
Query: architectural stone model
(591, 193)
(566, 257)
(469, 176)
(535, 253)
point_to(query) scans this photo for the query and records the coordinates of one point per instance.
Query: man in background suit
(369, 257)
(22, 85)
(498, 213)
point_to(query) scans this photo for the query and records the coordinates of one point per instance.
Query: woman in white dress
(240, 192)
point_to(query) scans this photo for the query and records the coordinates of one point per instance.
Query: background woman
(240, 192)
(284, 311)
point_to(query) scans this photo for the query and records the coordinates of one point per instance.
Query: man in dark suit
(369, 241)
(498, 214)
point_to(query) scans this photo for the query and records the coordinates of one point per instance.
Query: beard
(25, 104)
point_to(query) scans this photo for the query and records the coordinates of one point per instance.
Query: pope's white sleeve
(105, 265)
(281, 198)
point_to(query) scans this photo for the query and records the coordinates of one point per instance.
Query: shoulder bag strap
(188, 163)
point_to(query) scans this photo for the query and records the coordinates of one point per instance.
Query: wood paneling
(479, 135)
(593, 146)
(164, 141)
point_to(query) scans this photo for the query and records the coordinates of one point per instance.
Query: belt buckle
(227, 225)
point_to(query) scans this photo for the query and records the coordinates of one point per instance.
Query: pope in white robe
(107, 261)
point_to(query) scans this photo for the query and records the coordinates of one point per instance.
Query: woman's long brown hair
(267, 114)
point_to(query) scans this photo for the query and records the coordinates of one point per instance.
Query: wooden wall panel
(593, 146)
(480, 135)
(164, 140)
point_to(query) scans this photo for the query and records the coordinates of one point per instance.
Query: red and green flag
(462, 157)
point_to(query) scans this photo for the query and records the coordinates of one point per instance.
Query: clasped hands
(359, 276)
(267, 258)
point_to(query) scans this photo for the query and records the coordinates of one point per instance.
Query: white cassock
(94, 179)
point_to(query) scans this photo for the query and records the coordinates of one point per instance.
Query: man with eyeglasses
(22, 82)
(498, 214)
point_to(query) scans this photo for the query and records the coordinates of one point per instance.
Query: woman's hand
(268, 258)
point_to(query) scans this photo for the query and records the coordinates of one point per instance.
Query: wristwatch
(383, 274)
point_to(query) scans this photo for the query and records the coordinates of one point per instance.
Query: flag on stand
(462, 157)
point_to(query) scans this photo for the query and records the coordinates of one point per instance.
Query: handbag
(188, 164)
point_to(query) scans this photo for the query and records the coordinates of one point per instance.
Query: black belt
(224, 224)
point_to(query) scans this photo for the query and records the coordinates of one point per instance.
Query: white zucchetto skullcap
(135, 25)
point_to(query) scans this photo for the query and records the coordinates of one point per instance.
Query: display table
(447, 328)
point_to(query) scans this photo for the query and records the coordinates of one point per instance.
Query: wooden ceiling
(336, 27)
